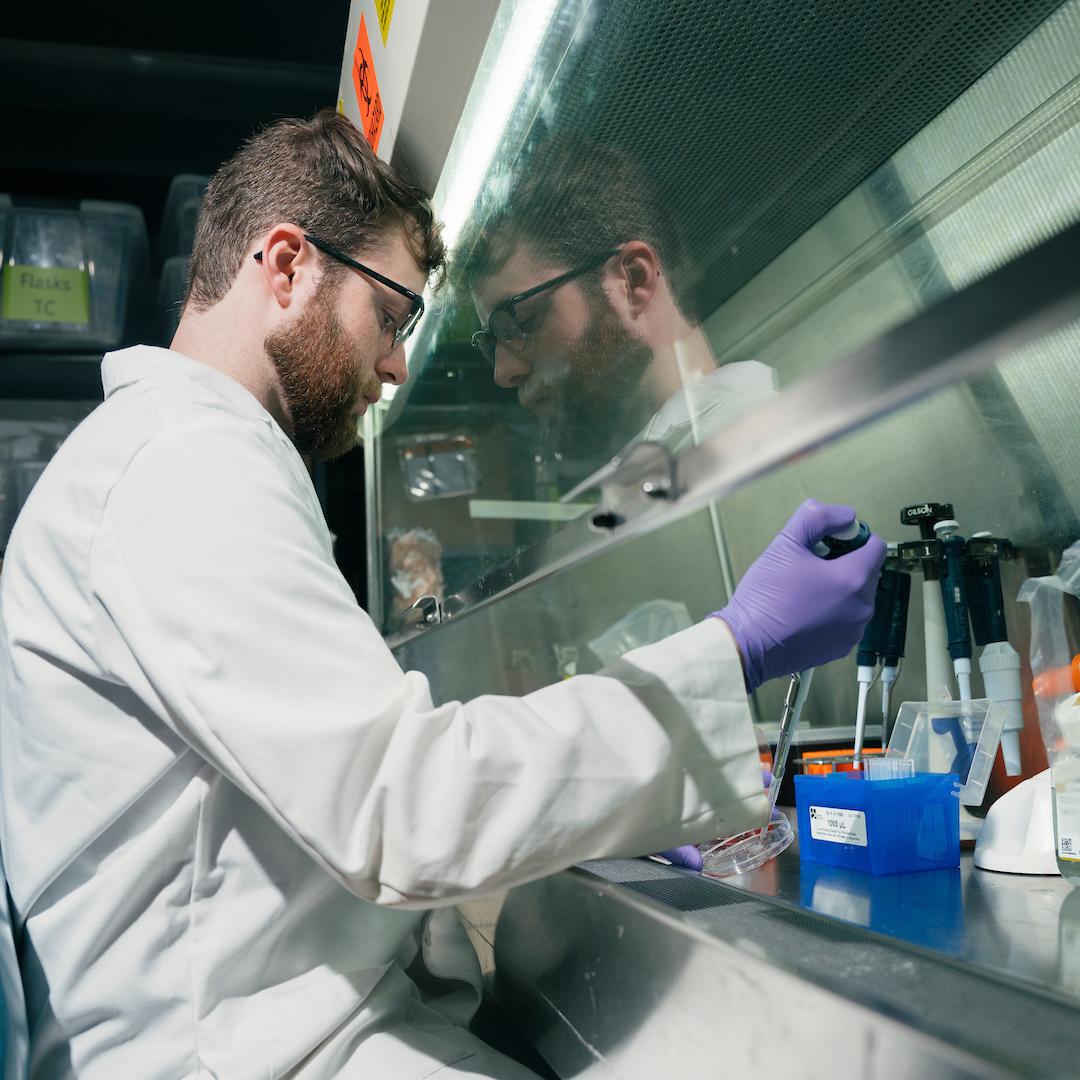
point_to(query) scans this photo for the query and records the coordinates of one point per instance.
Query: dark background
(111, 100)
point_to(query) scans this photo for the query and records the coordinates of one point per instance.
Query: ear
(283, 257)
(637, 270)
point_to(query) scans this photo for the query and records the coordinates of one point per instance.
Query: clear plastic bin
(178, 222)
(958, 737)
(7, 492)
(172, 288)
(68, 275)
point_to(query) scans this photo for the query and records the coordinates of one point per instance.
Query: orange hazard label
(367, 88)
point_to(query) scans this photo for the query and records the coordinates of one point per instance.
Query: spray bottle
(998, 661)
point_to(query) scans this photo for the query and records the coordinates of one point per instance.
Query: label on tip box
(838, 826)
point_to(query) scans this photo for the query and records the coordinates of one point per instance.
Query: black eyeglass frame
(408, 325)
(507, 306)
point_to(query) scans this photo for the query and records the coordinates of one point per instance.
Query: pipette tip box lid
(879, 826)
(958, 737)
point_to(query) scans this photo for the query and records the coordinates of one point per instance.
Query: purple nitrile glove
(794, 610)
(687, 856)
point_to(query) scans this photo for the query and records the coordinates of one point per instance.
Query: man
(225, 808)
(579, 277)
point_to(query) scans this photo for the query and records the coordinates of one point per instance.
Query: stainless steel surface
(1023, 928)
(628, 969)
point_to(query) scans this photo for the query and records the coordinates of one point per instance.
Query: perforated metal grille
(755, 118)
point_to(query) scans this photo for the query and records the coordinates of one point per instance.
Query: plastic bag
(644, 625)
(1059, 720)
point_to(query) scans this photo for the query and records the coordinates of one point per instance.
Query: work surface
(628, 969)
(1024, 928)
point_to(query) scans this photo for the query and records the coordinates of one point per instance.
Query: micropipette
(893, 642)
(954, 599)
(866, 662)
(926, 550)
(998, 661)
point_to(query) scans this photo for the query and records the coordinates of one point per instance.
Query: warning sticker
(838, 826)
(367, 88)
(385, 10)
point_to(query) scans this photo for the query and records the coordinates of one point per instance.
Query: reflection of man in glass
(578, 278)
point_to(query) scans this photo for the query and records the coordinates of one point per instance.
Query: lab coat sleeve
(219, 604)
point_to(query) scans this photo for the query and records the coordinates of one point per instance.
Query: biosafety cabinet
(856, 229)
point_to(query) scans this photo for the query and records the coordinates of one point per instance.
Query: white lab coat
(225, 808)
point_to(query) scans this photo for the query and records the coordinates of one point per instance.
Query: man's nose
(511, 369)
(392, 368)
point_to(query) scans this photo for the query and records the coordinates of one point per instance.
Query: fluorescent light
(515, 60)
(469, 161)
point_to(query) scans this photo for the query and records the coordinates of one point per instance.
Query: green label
(46, 294)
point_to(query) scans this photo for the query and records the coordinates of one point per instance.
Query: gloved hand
(690, 856)
(794, 610)
(687, 856)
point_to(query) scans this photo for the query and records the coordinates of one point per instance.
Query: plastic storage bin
(958, 737)
(879, 826)
(172, 288)
(182, 206)
(68, 275)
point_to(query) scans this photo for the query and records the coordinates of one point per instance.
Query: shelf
(51, 376)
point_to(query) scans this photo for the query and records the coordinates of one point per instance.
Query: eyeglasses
(408, 324)
(503, 329)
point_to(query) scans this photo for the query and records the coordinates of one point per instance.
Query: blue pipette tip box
(879, 826)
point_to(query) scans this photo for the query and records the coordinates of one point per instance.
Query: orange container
(1060, 682)
(824, 762)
